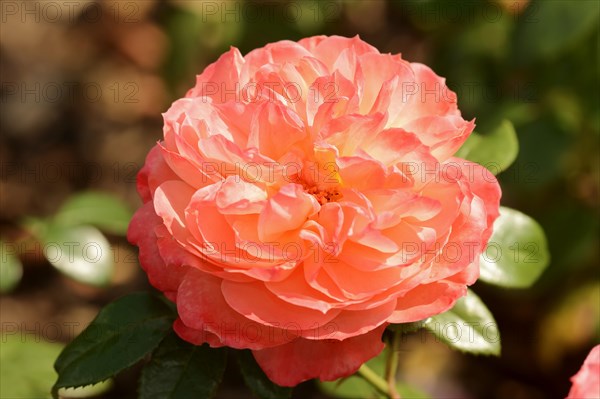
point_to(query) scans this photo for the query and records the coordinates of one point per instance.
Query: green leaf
(257, 381)
(11, 269)
(102, 210)
(26, 370)
(517, 252)
(496, 150)
(122, 334)
(405, 328)
(356, 387)
(80, 252)
(546, 28)
(468, 326)
(180, 370)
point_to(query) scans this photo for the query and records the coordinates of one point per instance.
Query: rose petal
(265, 308)
(201, 307)
(285, 211)
(327, 360)
(426, 300)
(141, 233)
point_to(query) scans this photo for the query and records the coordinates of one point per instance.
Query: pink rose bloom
(586, 383)
(304, 197)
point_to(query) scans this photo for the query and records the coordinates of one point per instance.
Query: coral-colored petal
(586, 383)
(196, 337)
(141, 232)
(327, 360)
(443, 134)
(350, 323)
(483, 184)
(274, 129)
(154, 172)
(426, 300)
(265, 308)
(328, 48)
(285, 211)
(218, 79)
(201, 307)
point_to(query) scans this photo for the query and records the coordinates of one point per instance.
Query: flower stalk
(392, 366)
(374, 379)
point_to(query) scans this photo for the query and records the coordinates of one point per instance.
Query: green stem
(375, 380)
(392, 366)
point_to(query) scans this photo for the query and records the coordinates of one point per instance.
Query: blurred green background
(83, 86)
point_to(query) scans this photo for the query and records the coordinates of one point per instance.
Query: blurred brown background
(84, 84)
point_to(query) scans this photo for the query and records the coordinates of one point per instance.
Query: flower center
(324, 196)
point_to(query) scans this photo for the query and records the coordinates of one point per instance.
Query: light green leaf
(80, 252)
(11, 269)
(102, 210)
(548, 27)
(496, 150)
(121, 335)
(517, 252)
(356, 387)
(257, 381)
(468, 326)
(180, 370)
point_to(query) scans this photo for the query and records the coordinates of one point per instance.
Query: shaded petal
(295, 290)
(141, 232)
(286, 211)
(267, 309)
(483, 184)
(153, 173)
(274, 129)
(352, 323)
(171, 199)
(201, 306)
(196, 337)
(236, 196)
(327, 360)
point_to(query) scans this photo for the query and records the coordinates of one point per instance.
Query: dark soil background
(84, 84)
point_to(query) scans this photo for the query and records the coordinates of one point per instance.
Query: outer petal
(154, 172)
(428, 96)
(302, 359)
(196, 337)
(328, 48)
(219, 78)
(444, 135)
(427, 300)
(484, 185)
(141, 232)
(201, 307)
(586, 383)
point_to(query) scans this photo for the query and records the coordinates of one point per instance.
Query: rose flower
(586, 382)
(305, 197)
